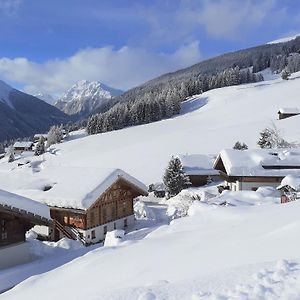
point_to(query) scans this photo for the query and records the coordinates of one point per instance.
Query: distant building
(284, 113)
(18, 215)
(20, 147)
(199, 168)
(251, 169)
(158, 189)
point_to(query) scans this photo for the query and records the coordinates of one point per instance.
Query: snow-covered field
(236, 252)
(247, 251)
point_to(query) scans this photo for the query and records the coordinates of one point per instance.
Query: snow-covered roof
(289, 110)
(23, 144)
(75, 187)
(260, 162)
(22, 203)
(291, 180)
(198, 164)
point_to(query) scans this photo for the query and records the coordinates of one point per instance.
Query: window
(93, 234)
(115, 226)
(125, 223)
(105, 229)
(3, 230)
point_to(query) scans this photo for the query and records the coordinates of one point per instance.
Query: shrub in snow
(240, 146)
(175, 179)
(142, 211)
(114, 238)
(55, 135)
(10, 154)
(40, 146)
(179, 205)
(285, 75)
(271, 137)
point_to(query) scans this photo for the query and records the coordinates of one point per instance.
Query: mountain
(22, 115)
(285, 39)
(46, 98)
(87, 97)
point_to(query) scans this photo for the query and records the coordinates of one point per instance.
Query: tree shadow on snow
(192, 105)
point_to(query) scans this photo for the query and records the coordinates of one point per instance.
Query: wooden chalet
(88, 210)
(20, 147)
(199, 168)
(17, 216)
(284, 113)
(251, 169)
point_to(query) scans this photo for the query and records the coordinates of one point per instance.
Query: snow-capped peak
(5, 90)
(285, 39)
(86, 96)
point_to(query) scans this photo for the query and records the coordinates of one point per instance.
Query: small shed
(199, 168)
(20, 147)
(284, 113)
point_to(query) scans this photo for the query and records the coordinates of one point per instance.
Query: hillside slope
(207, 123)
(22, 115)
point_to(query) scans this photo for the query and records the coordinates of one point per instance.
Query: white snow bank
(198, 164)
(114, 238)
(22, 203)
(291, 180)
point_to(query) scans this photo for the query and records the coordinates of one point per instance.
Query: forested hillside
(160, 98)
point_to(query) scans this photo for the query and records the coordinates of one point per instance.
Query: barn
(86, 203)
(199, 168)
(20, 147)
(18, 215)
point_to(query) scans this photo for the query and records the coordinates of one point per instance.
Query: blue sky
(46, 46)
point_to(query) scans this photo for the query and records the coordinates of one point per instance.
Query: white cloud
(231, 18)
(120, 68)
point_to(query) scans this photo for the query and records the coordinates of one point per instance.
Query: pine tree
(240, 146)
(40, 147)
(174, 178)
(271, 137)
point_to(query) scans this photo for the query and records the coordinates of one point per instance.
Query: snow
(291, 180)
(251, 162)
(23, 144)
(245, 249)
(285, 39)
(217, 250)
(198, 164)
(68, 188)
(22, 203)
(85, 95)
(114, 238)
(290, 110)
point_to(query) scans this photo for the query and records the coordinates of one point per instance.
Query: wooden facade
(115, 203)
